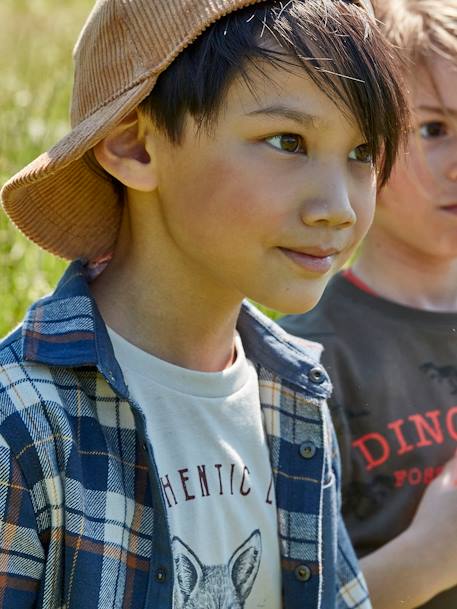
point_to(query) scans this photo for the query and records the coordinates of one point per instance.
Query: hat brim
(62, 200)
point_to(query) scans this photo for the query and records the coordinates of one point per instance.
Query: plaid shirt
(83, 522)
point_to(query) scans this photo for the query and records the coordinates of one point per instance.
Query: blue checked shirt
(82, 519)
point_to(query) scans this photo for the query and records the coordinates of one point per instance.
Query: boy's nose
(448, 160)
(334, 210)
(452, 169)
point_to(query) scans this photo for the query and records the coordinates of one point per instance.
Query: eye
(287, 142)
(362, 154)
(432, 130)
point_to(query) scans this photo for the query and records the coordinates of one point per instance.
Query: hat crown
(125, 41)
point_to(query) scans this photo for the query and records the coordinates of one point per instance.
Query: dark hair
(336, 41)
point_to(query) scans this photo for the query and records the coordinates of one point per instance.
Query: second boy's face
(274, 200)
(418, 208)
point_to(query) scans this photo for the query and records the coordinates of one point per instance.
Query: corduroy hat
(64, 201)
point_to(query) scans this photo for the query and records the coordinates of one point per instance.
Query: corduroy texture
(62, 200)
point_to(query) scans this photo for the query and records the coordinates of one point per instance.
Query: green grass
(36, 39)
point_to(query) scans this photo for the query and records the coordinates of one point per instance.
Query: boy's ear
(124, 154)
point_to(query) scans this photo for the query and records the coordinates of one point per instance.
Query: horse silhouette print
(225, 586)
(447, 374)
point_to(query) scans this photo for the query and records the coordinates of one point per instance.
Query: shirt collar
(66, 329)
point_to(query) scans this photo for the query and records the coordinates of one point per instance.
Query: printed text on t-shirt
(187, 484)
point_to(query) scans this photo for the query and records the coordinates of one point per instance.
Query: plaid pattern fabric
(83, 523)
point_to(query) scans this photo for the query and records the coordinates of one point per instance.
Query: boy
(389, 329)
(163, 444)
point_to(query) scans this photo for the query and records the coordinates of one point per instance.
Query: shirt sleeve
(352, 590)
(22, 555)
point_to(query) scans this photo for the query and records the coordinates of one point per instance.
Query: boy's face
(274, 199)
(418, 207)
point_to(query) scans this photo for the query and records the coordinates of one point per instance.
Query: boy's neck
(164, 310)
(401, 274)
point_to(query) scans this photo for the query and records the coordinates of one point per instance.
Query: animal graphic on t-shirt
(226, 586)
(442, 373)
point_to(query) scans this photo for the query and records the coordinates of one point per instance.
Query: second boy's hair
(421, 27)
(336, 43)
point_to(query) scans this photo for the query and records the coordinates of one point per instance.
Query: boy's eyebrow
(438, 110)
(303, 118)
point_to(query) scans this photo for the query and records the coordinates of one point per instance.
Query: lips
(316, 252)
(451, 209)
(312, 259)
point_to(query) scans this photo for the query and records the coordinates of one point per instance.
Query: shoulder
(11, 347)
(39, 405)
(14, 367)
(27, 389)
(35, 436)
(15, 374)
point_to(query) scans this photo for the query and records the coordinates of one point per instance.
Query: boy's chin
(297, 305)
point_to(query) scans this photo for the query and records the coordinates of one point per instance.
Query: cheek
(364, 206)
(211, 205)
(220, 194)
(402, 187)
(415, 174)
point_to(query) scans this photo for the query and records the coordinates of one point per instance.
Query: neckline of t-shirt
(383, 305)
(150, 369)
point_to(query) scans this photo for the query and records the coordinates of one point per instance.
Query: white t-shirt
(213, 462)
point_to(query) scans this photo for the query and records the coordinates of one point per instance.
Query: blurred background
(36, 40)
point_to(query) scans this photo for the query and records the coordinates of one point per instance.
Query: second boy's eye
(362, 154)
(287, 142)
(432, 130)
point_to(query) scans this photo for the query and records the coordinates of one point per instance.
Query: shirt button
(303, 573)
(316, 375)
(307, 450)
(161, 575)
(144, 446)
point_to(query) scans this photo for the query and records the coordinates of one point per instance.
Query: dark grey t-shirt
(394, 405)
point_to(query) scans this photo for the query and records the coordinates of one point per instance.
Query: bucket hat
(63, 200)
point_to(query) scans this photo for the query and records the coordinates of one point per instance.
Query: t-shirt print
(207, 480)
(213, 464)
(227, 585)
